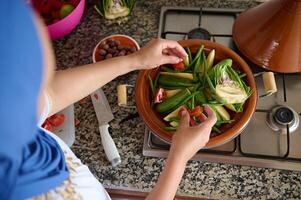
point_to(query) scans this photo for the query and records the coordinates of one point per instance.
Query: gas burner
(282, 116)
(199, 33)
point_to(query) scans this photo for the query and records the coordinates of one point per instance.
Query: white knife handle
(109, 145)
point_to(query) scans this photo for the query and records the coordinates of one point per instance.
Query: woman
(36, 164)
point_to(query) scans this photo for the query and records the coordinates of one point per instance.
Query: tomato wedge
(197, 111)
(46, 125)
(179, 66)
(56, 119)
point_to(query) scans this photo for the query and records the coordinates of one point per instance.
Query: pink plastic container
(66, 25)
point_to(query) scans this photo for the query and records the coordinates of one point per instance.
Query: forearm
(169, 179)
(71, 85)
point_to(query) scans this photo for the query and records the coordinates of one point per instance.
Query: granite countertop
(136, 172)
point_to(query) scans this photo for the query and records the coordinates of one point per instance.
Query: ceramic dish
(124, 40)
(154, 120)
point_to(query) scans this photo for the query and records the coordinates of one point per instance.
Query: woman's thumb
(185, 118)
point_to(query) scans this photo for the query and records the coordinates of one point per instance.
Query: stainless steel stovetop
(272, 139)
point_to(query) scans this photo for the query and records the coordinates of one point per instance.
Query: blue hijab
(31, 162)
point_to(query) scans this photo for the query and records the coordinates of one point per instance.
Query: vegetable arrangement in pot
(197, 81)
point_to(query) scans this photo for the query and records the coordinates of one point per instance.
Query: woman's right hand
(187, 140)
(158, 52)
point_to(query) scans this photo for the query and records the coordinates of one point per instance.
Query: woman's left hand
(158, 52)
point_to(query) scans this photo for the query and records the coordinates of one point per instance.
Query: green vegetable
(174, 101)
(236, 107)
(170, 93)
(225, 84)
(189, 56)
(170, 128)
(215, 129)
(151, 85)
(174, 124)
(186, 61)
(219, 123)
(172, 81)
(179, 74)
(222, 112)
(198, 54)
(218, 117)
(167, 69)
(210, 59)
(173, 114)
(112, 9)
(200, 98)
(196, 69)
(204, 68)
(175, 119)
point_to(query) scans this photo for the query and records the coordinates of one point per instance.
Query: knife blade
(104, 116)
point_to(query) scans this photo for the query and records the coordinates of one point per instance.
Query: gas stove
(272, 139)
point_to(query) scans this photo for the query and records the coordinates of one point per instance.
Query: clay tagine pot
(154, 120)
(269, 35)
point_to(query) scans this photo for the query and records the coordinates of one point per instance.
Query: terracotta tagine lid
(269, 35)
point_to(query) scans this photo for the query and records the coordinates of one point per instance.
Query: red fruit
(56, 119)
(179, 66)
(197, 111)
(74, 2)
(56, 15)
(46, 125)
(56, 4)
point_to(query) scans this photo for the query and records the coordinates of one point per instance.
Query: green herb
(215, 129)
(151, 85)
(225, 84)
(198, 54)
(170, 128)
(156, 81)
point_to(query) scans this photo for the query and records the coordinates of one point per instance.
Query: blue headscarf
(31, 162)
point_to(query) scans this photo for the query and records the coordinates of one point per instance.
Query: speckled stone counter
(136, 172)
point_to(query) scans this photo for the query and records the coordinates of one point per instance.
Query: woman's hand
(158, 52)
(188, 140)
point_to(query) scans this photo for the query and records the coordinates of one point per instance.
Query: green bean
(170, 128)
(197, 55)
(216, 129)
(167, 69)
(151, 85)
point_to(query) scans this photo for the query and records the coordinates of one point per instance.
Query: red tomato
(160, 95)
(56, 119)
(197, 111)
(179, 66)
(46, 125)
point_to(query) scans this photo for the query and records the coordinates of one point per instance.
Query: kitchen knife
(104, 116)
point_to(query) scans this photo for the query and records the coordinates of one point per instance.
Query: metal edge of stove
(166, 8)
(234, 158)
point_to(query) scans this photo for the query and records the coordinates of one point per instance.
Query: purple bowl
(67, 24)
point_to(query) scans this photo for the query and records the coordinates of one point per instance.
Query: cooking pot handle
(269, 83)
